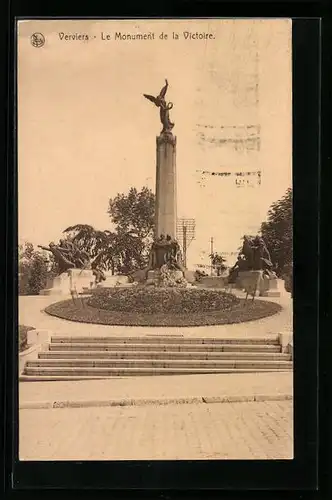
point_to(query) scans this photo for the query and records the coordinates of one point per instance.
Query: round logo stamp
(37, 39)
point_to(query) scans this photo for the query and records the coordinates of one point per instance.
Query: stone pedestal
(140, 275)
(189, 276)
(152, 277)
(251, 281)
(60, 285)
(74, 279)
(114, 280)
(165, 222)
(212, 282)
(270, 287)
(81, 279)
(254, 280)
(153, 274)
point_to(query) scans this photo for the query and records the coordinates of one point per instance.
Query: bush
(287, 276)
(162, 300)
(33, 270)
(277, 232)
(37, 276)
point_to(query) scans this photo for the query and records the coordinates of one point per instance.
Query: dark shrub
(287, 276)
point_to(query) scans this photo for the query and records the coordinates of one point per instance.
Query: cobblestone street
(255, 430)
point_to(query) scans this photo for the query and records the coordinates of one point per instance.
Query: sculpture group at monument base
(154, 277)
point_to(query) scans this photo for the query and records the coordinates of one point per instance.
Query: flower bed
(234, 311)
(152, 300)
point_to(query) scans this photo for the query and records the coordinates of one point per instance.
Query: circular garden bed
(145, 306)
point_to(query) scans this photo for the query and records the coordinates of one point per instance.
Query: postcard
(155, 239)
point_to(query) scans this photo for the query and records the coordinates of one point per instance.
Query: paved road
(175, 386)
(260, 430)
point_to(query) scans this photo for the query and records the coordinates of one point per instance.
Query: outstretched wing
(163, 91)
(151, 98)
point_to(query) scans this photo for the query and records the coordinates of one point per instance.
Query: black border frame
(300, 474)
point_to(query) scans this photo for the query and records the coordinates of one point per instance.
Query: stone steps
(161, 355)
(170, 339)
(78, 358)
(159, 363)
(59, 376)
(130, 372)
(86, 346)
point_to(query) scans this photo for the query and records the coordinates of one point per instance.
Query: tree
(218, 262)
(277, 232)
(133, 217)
(38, 274)
(33, 269)
(25, 252)
(100, 245)
(126, 248)
(85, 237)
(133, 213)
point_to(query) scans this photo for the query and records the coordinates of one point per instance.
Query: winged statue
(160, 102)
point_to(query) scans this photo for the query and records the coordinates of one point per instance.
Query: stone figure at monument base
(165, 251)
(73, 269)
(60, 257)
(254, 258)
(99, 275)
(68, 256)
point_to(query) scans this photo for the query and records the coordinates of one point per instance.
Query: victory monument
(165, 267)
(165, 169)
(165, 256)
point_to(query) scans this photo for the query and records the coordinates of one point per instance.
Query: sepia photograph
(155, 239)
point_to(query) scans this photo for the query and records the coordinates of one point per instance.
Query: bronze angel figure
(160, 102)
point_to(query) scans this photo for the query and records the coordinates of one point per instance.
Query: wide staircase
(75, 358)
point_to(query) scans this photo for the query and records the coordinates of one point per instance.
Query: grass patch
(240, 312)
(22, 336)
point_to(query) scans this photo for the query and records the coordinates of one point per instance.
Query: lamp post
(211, 253)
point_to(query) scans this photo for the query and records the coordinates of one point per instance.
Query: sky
(85, 131)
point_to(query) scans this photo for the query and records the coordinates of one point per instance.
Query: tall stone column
(166, 215)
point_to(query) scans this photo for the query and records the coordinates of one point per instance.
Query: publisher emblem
(37, 39)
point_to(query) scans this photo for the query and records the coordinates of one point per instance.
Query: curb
(43, 405)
